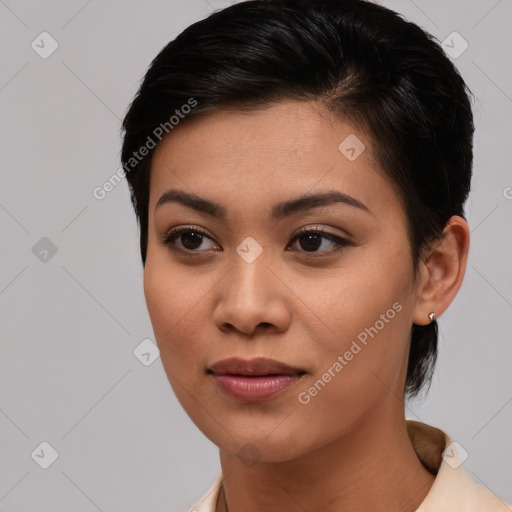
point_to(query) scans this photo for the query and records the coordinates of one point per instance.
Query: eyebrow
(279, 210)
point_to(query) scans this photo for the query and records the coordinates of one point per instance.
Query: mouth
(253, 380)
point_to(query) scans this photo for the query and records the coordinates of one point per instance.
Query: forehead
(254, 157)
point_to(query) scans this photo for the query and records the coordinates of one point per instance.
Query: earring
(432, 316)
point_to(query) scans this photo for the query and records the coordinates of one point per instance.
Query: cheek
(173, 300)
(367, 295)
(177, 312)
(367, 307)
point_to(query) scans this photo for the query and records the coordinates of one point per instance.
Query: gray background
(70, 323)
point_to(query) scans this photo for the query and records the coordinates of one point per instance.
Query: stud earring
(432, 316)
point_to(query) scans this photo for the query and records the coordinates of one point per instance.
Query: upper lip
(256, 366)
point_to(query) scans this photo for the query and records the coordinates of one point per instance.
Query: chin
(259, 442)
(261, 450)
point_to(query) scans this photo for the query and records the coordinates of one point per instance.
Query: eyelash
(174, 233)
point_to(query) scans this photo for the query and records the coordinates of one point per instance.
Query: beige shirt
(453, 490)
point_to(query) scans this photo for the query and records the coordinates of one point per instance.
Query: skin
(347, 449)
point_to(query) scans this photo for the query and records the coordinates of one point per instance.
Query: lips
(253, 380)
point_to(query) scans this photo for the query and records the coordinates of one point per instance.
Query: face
(322, 289)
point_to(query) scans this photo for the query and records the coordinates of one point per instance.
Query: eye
(312, 239)
(190, 239)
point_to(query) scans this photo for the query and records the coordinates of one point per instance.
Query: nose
(252, 297)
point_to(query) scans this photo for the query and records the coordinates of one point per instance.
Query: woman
(299, 171)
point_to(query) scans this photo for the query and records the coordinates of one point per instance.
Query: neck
(372, 467)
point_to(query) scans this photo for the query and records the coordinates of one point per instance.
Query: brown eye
(190, 240)
(312, 240)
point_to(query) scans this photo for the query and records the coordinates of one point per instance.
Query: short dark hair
(362, 61)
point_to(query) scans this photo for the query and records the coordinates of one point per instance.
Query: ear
(441, 271)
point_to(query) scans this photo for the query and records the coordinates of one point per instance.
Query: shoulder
(453, 490)
(485, 501)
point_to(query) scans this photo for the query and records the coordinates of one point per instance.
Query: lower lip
(254, 389)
